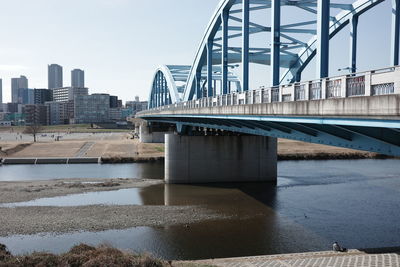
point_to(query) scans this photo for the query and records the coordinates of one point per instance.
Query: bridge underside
(359, 134)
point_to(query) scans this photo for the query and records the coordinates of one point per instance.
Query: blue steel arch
(169, 83)
(164, 89)
(294, 64)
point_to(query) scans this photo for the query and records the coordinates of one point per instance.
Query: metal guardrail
(352, 85)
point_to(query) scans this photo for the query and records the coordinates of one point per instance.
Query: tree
(33, 129)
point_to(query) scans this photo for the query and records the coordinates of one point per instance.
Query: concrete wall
(209, 159)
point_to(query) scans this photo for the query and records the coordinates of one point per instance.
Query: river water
(315, 203)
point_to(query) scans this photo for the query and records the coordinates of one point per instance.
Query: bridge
(227, 130)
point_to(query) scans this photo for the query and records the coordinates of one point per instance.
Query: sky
(119, 43)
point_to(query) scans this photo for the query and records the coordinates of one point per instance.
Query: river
(315, 203)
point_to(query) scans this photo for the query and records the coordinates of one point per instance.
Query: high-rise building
(1, 91)
(55, 76)
(26, 96)
(93, 108)
(77, 78)
(68, 93)
(60, 112)
(113, 101)
(42, 96)
(35, 114)
(16, 84)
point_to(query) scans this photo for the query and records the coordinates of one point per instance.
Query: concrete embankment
(10, 161)
(385, 257)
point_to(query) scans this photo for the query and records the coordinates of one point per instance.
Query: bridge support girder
(323, 38)
(275, 41)
(395, 32)
(212, 159)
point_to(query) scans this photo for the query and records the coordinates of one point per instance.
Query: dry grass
(81, 255)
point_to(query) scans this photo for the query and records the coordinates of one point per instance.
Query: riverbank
(119, 148)
(85, 255)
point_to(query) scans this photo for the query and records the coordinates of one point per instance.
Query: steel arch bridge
(208, 94)
(291, 46)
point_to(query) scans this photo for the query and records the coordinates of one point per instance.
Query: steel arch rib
(304, 56)
(173, 90)
(211, 29)
(340, 21)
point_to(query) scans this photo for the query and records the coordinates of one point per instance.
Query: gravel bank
(34, 220)
(24, 191)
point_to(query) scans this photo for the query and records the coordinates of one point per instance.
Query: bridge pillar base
(210, 159)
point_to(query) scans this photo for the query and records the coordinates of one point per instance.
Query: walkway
(315, 259)
(84, 149)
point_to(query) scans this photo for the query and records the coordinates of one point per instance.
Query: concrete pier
(152, 134)
(211, 159)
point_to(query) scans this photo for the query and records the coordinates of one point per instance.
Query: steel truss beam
(373, 139)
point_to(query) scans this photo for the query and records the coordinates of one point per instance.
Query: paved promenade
(315, 259)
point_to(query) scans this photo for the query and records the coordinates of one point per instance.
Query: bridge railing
(372, 83)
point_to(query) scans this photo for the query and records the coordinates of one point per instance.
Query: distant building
(1, 91)
(16, 84)
(3, 107)
(35, 114)
(116, 114)
(55, 76)
(60, 112)
(93, 108)
(41, 96)
(5, 123)
(68, 93)
(26, 96)
(77, 78)
(113, 101)
(137, 105)
(12, 107)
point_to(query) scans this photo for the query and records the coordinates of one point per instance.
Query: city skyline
(106, 41)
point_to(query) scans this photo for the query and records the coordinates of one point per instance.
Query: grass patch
(160, 148)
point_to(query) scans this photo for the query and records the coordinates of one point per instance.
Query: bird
(336, 247)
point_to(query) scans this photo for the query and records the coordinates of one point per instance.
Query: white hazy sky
(119, 43)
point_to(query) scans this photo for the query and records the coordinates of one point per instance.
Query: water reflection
(151, 170)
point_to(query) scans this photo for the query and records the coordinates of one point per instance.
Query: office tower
(68, 93)
(93, 108)
(1, 91)
(35, 114)
(26, 96)
(77, 78)
(16, 84)
(42, 96)
(55, 76)
(113, 101)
